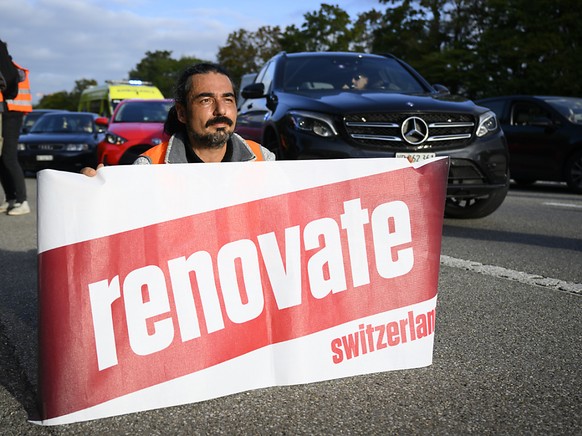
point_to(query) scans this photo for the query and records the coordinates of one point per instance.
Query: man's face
(210, 113)
(359, 81)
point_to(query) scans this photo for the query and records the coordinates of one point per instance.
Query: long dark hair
(183, 87)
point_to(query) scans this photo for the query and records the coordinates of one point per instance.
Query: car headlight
(487, 123)
(76, 147)
(21, 146)
(112, 138)
(318, 124)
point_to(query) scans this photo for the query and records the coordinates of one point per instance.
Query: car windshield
(570, 107)
(29, 120)
(64, 123)
(347, 73)
(143, 112)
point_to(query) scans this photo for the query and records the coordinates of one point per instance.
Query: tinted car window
(569, 107)
(30, 119)
(524, 113)
(143, 112)
(261, 73)
(317, 73)
(64, 124)
(267, 77)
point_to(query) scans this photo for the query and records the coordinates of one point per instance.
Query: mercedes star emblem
(414, 130)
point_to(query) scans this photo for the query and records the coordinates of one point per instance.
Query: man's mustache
(219, 120)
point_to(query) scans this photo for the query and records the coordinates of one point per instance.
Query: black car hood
(58, 138)
(342, 102)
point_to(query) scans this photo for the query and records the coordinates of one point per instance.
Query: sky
(61, 41)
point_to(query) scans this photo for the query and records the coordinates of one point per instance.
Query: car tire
(270, 142)
(477, 207)
(574, 173)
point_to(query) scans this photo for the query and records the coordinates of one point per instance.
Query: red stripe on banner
(135, 309)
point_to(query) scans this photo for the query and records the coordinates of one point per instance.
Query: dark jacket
(10, 75)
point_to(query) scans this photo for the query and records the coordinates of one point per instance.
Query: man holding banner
(202, 122)
(242, 276)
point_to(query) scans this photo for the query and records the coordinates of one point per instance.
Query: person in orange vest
(201, 123)
(14, 106)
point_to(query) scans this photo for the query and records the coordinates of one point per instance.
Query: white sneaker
(6, 206)
(19, 209)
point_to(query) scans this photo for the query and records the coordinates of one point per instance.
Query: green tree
(477, 48)
(423, 33)
(487, 47)
(57, 100)
(364, 29)
(63, 99)
(245, 52)
(162, 70)
(401, 31)
(519, 53)
(330, 29)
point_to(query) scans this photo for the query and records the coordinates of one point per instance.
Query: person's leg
(9, 194)
(12, 176)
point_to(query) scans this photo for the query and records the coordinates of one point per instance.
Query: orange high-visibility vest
(157, 154)
(23, 101)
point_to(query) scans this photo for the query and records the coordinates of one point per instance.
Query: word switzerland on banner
(174, 284)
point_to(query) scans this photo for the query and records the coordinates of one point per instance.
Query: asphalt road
(506, 357)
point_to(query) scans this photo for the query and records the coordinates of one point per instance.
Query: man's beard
(213, 140)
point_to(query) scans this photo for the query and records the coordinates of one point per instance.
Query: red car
(136, 126)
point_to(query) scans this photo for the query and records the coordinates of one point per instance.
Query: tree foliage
(65, 100)
(162, 70)
(529, 47)
(246, 51)
(157, 67)
(329, 29)
(477, 48)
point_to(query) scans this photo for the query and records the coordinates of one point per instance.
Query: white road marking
(518, 276)
(576, 206)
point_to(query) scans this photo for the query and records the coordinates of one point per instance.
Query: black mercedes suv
(326, 105)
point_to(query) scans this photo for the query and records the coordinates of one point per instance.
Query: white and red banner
(171, 284)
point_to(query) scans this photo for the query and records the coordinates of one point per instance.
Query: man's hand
(91, 172)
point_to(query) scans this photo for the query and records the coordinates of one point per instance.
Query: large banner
(171, 284)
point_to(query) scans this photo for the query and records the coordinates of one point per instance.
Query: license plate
(416, 157)
(44, 157)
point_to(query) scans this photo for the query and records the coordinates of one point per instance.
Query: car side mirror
(441, 89)
(102, 121)
(254, 90)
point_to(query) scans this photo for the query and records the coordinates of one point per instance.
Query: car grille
(45, 147)
(432, 130)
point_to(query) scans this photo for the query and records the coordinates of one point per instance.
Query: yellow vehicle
(103, 99)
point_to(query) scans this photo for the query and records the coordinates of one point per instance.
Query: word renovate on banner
(328, 279)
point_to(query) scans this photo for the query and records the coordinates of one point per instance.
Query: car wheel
(476, 207)
(270, 141)
(574, 173)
